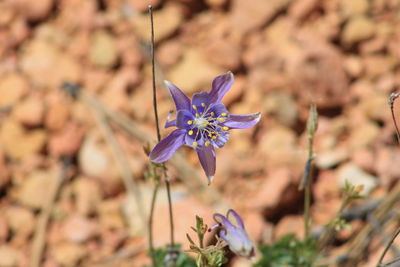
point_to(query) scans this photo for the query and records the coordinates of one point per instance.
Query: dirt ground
(74, 186)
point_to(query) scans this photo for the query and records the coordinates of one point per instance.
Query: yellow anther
(224, 114)
(214, 137)
(197, 115)
(194, 144)
(190, 122)
(194, 107)
(212, 114)
(225, 128)
(221, 119)
(207, 143)
(190, 132)
(203, 105)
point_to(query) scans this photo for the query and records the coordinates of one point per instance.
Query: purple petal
(183, 118)
(222, 219)
(180, 99)
(237, 218)
(170, 123)
(167, 146)
(198, 99)
(195, 137)
(243, 121)
(207, 159)
(220, 86)
(218, 109)
(222, 138)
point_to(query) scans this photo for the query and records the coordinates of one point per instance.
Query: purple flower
(203, 124)
(233, 232)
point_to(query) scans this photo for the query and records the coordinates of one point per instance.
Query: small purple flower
(232, 231)
(203, 124)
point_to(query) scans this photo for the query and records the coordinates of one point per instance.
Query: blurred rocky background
(61, 159)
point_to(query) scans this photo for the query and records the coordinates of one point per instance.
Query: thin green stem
(307, 190)
(151, 219)
(306, 182)
(166, 178)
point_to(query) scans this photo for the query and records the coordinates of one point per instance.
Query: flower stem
(167, 180)
(151, 219)
(312, 125)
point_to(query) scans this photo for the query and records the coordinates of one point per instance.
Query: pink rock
(273, 187)
(68, 141)
(79, 229)
(35, 11)
(4, 229)
(290, 224)
(30, 111)
(57, 115)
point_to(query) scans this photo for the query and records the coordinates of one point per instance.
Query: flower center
(200, 123)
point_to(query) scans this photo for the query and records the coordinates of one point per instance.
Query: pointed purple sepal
(207, 159)
(243, 121)
(220, 86)
(167, 146)
(180, 99)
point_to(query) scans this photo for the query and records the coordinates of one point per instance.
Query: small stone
(356, 176)
(278, 146)
(92, 158)
(57, 115)
(103, 51)
(169, 52)
(110, 214)
(330, 158)
(358, 29)
(273, 187)
(41, 58)
(20, 220)
(301, 8)
(13, 87)
(282, 106)
(79, 229)
(9, 256)
(354, 7)
(325, 186)
(245, 17)
(69, 254)
(228, 52)
(290, 224)
(353, 66)
(35, 11)
(193, 72)
(168, 19)
(4, 229)
(29, 112)
(87, 195)
(68, 141)
(364, 135)
(19, 144)
(374, 105)
(33, 192)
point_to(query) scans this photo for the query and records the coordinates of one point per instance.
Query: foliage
(210, 256)
(162, 256)
(288, 251)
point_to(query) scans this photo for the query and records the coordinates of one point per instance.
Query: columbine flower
(203, 123)
(233, 232)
